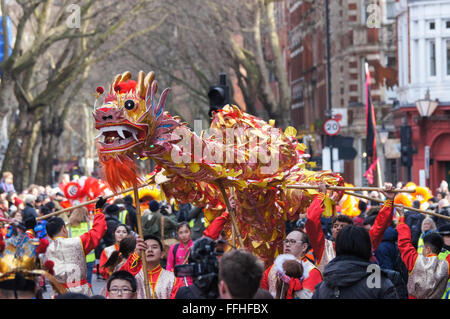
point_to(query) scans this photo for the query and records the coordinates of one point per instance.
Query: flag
(370, 121)
(371, 148)
(369, 173)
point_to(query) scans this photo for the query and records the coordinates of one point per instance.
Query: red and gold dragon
(247, 157)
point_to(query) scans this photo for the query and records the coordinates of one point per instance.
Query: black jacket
(442, 221)
(131, 217)
(196, 213)
(346, 277)
(387, 251)
(414, 221)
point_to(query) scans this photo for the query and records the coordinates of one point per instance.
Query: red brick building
(353, 42)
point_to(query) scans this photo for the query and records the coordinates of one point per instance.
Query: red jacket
(410, 255)
(313, 225)
(215, 228)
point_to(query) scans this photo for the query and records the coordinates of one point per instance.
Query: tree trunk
(284, 108)
(20, 149)
(51, 131)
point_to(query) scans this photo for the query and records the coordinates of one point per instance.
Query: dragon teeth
(135, 137)
(101, 133)
(120, 132)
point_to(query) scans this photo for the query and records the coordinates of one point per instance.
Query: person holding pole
(161, 281)
(69, 254)
(324, 249)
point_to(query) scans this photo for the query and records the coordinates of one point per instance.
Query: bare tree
(45, 36)
(205, 37)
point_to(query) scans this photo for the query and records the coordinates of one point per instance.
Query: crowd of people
(383, 253)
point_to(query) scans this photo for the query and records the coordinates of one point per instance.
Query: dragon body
(248, 158)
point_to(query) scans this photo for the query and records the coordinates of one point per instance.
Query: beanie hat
(112, 209)
(153, 205)
(128, 199)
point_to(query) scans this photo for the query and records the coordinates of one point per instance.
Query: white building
(423, 50)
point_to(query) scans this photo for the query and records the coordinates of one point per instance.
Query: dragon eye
(129, 104)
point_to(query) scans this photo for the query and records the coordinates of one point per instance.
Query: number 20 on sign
(331, 127)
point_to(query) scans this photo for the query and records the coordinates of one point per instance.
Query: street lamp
(426, 107)
(384, 134)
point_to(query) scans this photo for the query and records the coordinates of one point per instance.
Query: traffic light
(219, 95)
(406, 145)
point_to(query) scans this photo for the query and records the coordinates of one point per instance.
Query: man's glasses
(291, 241)
(124, 291)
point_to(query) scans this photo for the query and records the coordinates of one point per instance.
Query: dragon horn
(116, 80)
(148, 81)
(125, 76)
(140, 84)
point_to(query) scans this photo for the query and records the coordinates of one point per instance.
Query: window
(432, 58)
(448, 57)
(391, 61)
(432, 25)
(447, 24)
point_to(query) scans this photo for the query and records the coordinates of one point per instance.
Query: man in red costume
(428, 275)
(296, 244)
(69, 254)
(324, 249)
(162, 282)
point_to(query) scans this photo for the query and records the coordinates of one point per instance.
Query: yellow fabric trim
(388, 203)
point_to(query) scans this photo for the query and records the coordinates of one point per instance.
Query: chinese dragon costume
(243, 155)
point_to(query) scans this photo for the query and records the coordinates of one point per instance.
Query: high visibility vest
(123, 216)
(420, 245)
(77, 231)
(443, 256)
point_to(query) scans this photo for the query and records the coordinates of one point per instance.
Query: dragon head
(127, 122)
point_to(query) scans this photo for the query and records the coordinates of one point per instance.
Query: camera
(202, 260)
(203, 267)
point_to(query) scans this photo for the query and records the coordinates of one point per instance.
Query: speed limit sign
(331, 127)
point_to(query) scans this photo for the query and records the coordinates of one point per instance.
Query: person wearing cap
(444, 231)
(69, 254)
(428, 274)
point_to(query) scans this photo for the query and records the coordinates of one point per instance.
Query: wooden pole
(231, 212)
(88, 202)
(342, 188)
(141, 234)
(427, 212)
(380, 182)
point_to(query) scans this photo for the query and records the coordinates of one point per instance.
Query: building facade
(424, 65)
(360, 31)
